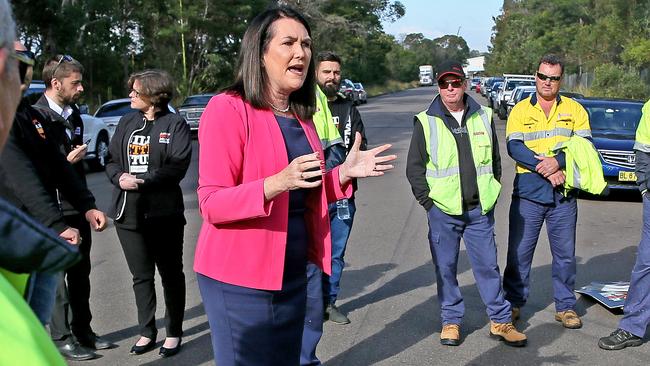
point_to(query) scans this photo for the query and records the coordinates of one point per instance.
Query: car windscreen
(358, 86)
(198, 100)
(616, 118)
(515, 83)
(114, 110)
(525, 94)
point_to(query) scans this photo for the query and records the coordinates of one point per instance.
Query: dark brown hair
(157, 86)
(328, 56)
(552, 59)
(251, 81)
(60, 67)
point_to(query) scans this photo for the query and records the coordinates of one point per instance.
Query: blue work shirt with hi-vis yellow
(530, 133)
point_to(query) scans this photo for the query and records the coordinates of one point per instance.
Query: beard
(330, 89)
(68, 99)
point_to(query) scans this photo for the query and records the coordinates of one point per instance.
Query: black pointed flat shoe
(168, 352)
(138, 350)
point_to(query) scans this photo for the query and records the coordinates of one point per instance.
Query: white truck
(426, 75)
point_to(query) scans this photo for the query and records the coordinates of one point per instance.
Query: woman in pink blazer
(263, 195)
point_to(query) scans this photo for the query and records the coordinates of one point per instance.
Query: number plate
(626, 177)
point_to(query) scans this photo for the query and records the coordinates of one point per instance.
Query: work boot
(619, 339)
(516, 313)
(335, 315)
(450, 335)
(569, 319)
(508, 333)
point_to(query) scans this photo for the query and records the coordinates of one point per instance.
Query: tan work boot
(569, 319)
(508, 333)
(450, 335)
(516, 313)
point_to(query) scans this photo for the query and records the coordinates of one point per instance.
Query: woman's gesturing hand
(303, 172)
(361, 164)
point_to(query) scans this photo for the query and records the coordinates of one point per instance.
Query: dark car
(192, 109)
(492, 94)
(613, 126)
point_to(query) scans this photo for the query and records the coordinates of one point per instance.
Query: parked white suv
(510, 82)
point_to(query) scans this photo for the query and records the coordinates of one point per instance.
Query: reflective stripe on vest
(642, 140)
(327, 132)
(443, 171)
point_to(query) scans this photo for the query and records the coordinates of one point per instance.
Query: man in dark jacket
(63, 77)
(348, 121)
(25, 245)
(454, 169)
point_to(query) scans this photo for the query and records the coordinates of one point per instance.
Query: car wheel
(101, 150)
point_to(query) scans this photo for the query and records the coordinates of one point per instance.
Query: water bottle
(342, 209)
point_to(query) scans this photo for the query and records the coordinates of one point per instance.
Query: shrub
(617, 81)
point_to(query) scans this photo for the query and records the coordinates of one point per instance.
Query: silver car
(111, 112)
(363, 96)
(192, 109)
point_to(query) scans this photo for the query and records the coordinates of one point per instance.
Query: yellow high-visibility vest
(443, 173)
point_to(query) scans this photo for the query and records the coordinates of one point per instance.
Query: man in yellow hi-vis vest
(454, 169)
(636, 311)
(536, 125)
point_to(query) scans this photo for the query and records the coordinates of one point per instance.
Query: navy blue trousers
(313, 330)
(526, 220)
(251, 327)
(636, 316)
(477, 231)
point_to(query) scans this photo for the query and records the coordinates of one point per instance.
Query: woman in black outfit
(149, 156)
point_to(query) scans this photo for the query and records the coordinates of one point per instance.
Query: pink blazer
(243, 238)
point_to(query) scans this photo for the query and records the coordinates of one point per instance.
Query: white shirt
(458, 116)
(64, 112)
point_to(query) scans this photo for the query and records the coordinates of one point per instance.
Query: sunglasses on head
(456, 83)
(544, 77)
(66, 58)
(26, 57)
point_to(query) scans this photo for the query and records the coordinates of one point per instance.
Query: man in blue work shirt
(534, 127)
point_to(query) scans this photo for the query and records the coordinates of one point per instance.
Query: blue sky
(435, 18)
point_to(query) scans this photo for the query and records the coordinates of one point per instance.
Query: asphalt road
(388, 286)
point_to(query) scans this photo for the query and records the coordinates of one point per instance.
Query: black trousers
(71, 313)
(156, 243)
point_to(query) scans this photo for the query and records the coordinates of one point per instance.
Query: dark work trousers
(636, 312)
(71, 314)
(156, 243)
(251, 327)
(526, 220)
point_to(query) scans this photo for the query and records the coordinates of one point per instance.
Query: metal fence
(586, 79)
(575, 81)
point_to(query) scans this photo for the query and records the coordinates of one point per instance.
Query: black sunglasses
(544, 77)
(66, 58)
(456, 83)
